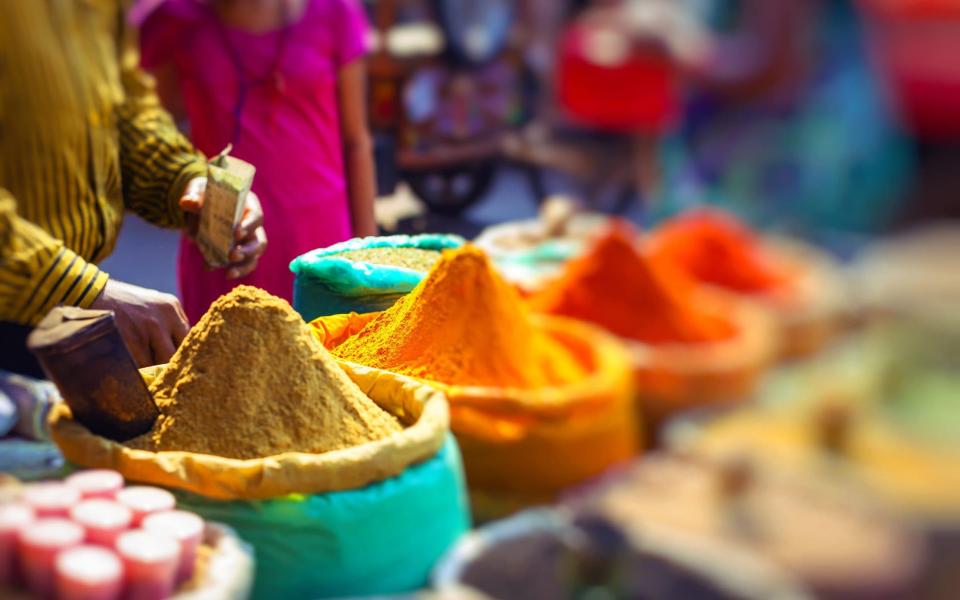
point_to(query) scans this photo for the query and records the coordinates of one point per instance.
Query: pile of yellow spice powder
(251, 381)
(464, 325)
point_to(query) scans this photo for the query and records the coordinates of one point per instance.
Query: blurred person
(614, 69)
(283, 81)
(82, 139)
(787, 125)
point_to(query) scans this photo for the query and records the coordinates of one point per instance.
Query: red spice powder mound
(715, 248)
(619, 288)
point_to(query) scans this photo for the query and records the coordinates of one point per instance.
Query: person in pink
(283, 81)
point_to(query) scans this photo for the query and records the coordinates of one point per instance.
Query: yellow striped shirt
(82, 138)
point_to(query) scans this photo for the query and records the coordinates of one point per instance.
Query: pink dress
(288, 125)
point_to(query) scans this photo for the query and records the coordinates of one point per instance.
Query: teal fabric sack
(327, 285)
(380, 539)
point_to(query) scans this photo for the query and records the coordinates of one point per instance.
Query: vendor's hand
(251, 239)
(152, 323)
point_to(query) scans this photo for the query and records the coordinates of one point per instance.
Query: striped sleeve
(156, 160)
(37, 272)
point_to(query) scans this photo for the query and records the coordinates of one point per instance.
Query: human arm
(156, 160)
(37, 272)
(357, 148)
(349, 25)
(152, 323)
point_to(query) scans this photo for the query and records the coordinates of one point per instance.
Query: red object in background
(605, 81)
(928, 9)
(384, 109)
(916, 45)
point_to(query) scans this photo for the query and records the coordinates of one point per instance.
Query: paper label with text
(228, 183)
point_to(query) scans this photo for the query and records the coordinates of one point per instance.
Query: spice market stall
(538, 404)
(334, 447)
(690, 346)
(343, 478)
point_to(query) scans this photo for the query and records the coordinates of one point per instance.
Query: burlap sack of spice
(289, 473)
(522, 447)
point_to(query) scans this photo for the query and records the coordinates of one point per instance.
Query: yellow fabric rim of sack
(288, 473)
(604, 354)
(522, 447)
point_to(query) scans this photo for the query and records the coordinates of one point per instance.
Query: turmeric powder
(250, 381)
(617, 287)
(463, 325)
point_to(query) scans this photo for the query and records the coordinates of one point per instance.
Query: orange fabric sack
(522, 447)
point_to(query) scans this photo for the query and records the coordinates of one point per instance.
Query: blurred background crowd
(828, 129)
(832, 119)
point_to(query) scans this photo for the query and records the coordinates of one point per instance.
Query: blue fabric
(327, 285)
(9, 415)
(380, 539)
(827, 158)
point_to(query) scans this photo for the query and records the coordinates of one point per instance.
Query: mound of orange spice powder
(713, 247)
(463, 325)
(616, 286)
